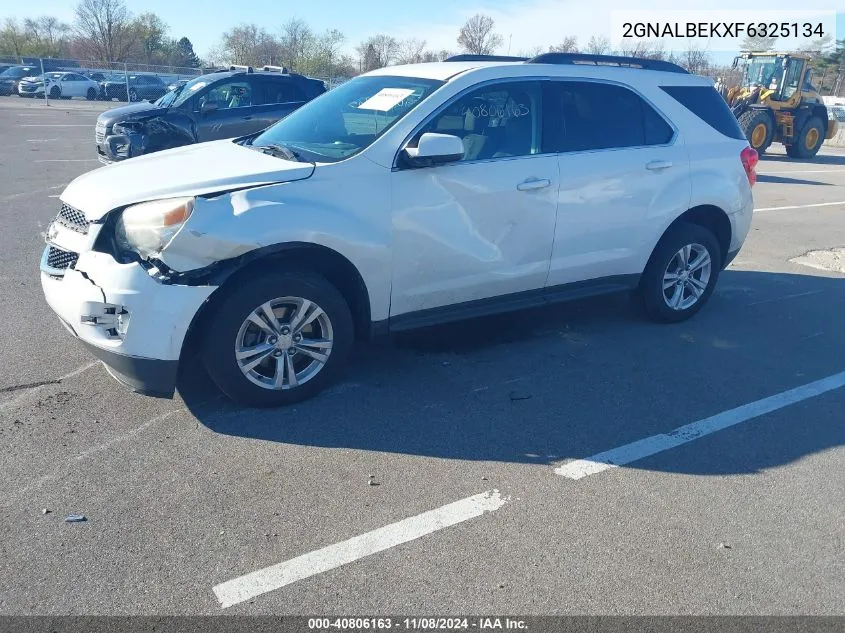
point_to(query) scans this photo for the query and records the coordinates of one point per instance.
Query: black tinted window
(281, 92)
(590, 115)
(657, 131)
(707, 105)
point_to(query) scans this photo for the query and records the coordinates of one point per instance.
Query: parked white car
(409, 196)
(60, 85)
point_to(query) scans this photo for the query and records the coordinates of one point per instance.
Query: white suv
(409, 196)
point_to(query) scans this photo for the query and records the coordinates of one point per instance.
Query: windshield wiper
(280, 151)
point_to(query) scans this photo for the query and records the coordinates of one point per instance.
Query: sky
(524, 24)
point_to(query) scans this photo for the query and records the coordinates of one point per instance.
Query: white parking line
(657, 443)
(259, 582)
(68, 160)
(800, 171)
(802, 206)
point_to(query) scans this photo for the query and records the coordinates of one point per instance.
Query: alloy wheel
(284, 343)
(686, 276)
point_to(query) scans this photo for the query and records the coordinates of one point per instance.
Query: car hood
(192, 170)
(130, 112)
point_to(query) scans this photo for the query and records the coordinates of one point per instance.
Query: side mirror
(434, 149)
(208, 107)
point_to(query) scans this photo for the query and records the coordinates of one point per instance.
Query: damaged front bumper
(117, 147)
(132, 322)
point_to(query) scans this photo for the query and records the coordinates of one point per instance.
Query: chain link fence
(33, 77)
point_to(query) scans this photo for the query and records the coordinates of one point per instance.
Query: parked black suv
(141, 87)
(219, 105)
(10, 78)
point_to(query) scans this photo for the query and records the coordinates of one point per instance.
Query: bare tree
(644, 49)
(477, 37)
(695, 61)
(598, 45)
(151, 31)
(297, 42)
(327, 55)
(568, 45)
(411, 51)
(377, 51)
(44, 36)
(759, 44)
(250, 44)
(12, 38)
(105, 27)
(531, 52)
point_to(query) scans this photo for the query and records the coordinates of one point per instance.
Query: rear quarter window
(708, 105)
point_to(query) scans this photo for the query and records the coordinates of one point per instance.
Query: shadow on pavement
(568, 381)
(780, 180)
(818, 159)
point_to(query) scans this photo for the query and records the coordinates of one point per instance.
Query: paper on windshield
(385, 99)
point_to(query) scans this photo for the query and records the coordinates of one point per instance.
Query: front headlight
(147, 228)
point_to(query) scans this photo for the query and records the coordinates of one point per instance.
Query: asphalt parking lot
(442, 475)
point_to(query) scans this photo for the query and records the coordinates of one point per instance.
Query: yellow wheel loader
(776, 102)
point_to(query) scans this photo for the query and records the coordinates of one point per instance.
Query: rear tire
(809, 140)
(55, 92)
(133, 96)
(239, 325)
(91, 94)
(759, 129)
(680, 275)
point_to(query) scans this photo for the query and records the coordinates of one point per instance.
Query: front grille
(61, 259)
(73, 219)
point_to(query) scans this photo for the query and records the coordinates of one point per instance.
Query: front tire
(759, 129)
(809, 141)
(278, 339)
(681, 274)
(55, 92)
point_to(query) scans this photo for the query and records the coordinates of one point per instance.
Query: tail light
(750, 158)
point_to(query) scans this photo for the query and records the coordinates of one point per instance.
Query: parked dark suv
(140, 87)
(219, 105)
(10, 77)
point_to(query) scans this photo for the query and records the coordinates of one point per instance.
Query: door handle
(658, 164)
(533, 183)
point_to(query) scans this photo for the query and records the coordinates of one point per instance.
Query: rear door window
(280, 92)
(589, 115)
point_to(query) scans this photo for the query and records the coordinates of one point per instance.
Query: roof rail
(248, 69)
(608, 60)
(278, 69)
(484, 58)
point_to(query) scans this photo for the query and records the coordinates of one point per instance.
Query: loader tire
(809, 140)
(759, 129)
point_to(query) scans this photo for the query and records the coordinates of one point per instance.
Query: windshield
(343, 121)
(166, 100)
(187, 91)
(759, 71)
(17, 71)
